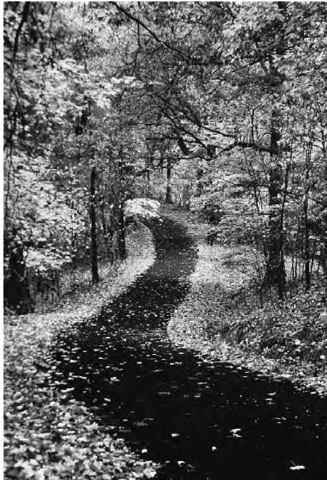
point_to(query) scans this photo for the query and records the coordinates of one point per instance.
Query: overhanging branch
(153, 34)
(243, 144)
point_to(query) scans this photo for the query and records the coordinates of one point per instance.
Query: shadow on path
(200, 420)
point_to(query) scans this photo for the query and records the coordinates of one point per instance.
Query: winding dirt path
(200, 420)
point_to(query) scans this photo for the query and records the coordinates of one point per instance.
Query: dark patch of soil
(199, 419)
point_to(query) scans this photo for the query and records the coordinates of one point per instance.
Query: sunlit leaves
(41, 217)
(141, 208)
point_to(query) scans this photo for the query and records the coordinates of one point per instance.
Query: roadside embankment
(222, 316)
(47, 433)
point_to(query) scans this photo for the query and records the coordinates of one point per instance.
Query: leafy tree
(217, 106)
(34, 109)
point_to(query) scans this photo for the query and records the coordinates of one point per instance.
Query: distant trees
(238, 89)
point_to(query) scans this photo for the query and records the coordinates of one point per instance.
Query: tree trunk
(186, 197)
(323, 230)
(94, 244)
(199, 184)
(306, 249)
(275, 273)
(307, 278)
(169, 197)
(323, 260)
(121, 234)
(16, 289)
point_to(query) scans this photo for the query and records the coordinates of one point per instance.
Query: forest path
(199, 419)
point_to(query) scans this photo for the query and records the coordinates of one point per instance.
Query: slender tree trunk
(186, 197)
(323, 260)
(94, 243)
(306, 246)
(105, 228)
(169, 198)
(121, 234)
(16, 289)
(323, 235)
(307, 278)
(275, 273)
(199, 184)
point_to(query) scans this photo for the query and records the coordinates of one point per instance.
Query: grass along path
(221, 317)
(48, 435)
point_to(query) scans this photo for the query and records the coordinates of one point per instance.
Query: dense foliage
(218, 107)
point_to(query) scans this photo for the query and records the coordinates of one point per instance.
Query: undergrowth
(77, 282)
(49, 435)
(223, 315)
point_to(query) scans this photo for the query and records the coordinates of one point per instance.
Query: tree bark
(16, 289)
(199, 184)
(306, 246)
(275, 272)
(94, 244)
(169, 197)
(306, 252)
(121, 234)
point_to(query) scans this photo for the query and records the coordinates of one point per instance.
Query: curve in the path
(200, 420)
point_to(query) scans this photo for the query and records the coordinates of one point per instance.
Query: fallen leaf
(297, 467)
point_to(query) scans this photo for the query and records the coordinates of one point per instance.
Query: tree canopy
(219, 107)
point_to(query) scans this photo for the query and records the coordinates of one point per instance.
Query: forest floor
(222, 315)
(49, 435)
